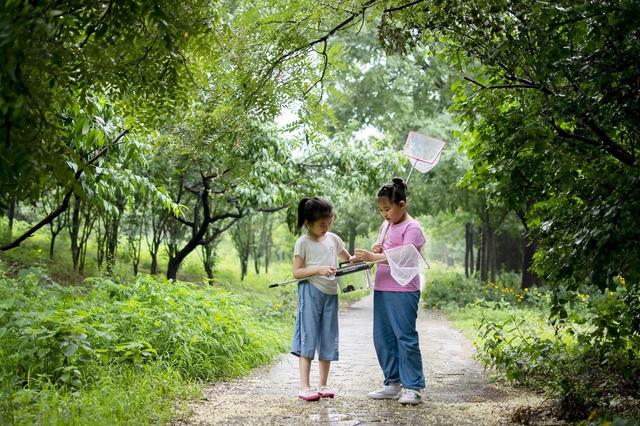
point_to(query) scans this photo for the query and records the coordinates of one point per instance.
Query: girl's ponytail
(301, 208)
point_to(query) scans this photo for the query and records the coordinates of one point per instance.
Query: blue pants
(396, 339)
(316, 326)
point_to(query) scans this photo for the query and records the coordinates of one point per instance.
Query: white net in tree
(424, 151)
(405, 263)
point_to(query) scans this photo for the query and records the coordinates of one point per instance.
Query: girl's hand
(364, 255)
(376, 248)
(327, 271)
(352, 259)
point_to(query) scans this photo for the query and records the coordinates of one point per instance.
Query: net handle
(411, 171)
(363, 266)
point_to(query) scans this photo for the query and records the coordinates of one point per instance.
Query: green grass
(93, 348)
(153, 394)
(121, 352)
(517, 340)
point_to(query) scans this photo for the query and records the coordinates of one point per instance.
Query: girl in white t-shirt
(316, 328)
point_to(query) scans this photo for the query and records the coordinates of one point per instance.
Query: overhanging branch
(65, 201)
(302, 49)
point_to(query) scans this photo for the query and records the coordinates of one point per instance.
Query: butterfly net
(424, 151)
(405, 263)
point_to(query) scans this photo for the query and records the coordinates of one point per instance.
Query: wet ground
(457, 393)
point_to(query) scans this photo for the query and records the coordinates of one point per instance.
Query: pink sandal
(325, 392)
(309, 394)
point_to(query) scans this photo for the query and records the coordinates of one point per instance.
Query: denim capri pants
(316, 328)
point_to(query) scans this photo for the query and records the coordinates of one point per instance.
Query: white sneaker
(388, 392)
(410, 396)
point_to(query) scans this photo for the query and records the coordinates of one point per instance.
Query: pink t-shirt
(400, 234)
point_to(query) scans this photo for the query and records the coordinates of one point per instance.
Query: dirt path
(457, 390)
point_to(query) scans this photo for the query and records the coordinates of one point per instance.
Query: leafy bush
(586, 355)
(74, 338)
(571, 361)
(448, 290)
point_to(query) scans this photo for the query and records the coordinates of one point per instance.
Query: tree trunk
(529, 248)
(113, 225)
(209, 270)
(11, 214)
(492, 255)
(207, 250)
(529, 278)
(87, 227)
(484, 270)
(267, 255)
(55, 227)
(445, 254)
(479, 255)
(352, 241)
(176, 260)
(157, 225)
(244, 263)
(138, 247)
(52, 244)
(74, 231)
(468, 256)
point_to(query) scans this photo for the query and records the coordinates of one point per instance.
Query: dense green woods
(160, 137)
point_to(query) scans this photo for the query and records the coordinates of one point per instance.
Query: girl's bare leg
(305, 369)
(324, 372)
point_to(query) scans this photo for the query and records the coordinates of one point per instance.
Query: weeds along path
(457, 389)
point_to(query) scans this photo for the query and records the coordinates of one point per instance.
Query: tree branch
(65, 201)
(301, 49)
(94, 28)
(216, 232)
(609, 145)
(506, 86)
(271, 209)
(183, 221)
(404, 6)
(324, 68)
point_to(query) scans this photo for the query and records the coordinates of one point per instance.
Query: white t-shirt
(320, 253)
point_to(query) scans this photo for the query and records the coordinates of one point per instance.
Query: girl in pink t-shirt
(395, 307)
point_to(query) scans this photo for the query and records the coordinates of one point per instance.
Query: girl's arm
(300, 271)
(368, 256)
(345, 256)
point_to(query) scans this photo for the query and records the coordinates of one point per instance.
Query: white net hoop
(423, 151)
(405, 263)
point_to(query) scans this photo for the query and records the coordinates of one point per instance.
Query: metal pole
(411, 171)
(295, 280)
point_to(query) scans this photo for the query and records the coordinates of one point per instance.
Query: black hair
(312, 209)
(395, 192)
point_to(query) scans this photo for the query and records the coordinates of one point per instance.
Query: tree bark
(11, 214)
(158, 220)
(468, 256)
(529, 279)
(480, 249)
(529, 248)
(113, 227)
(199, 229)
(352, 241)
(74, 231)
(55, 227)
